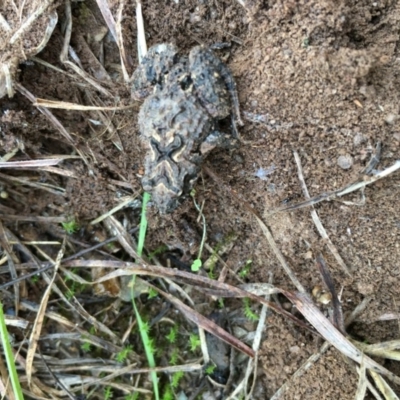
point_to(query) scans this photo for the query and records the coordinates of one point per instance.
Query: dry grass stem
(334, 336)
(68, 50)
(362, 383)
(383, 386)
(124, 203)
(29, 163)
(30, 20)
(124, 239)
(141, 36)
(253, 363)
(352, 187)
(26, 181)
(120, 42)
(108, 17)
(316, 219)
(4, 24)
(32, 218)
(38, 324)
(64, 105)
(267, 233)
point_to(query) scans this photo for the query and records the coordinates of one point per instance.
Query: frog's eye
(185, 83)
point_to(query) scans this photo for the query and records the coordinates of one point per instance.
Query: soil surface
(320, 78)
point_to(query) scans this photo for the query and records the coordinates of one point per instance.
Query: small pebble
(391, 118)
(358, 139)
(345, 162)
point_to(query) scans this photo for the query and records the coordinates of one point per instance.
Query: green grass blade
(143, 224)
(9, 357)
(146, 340)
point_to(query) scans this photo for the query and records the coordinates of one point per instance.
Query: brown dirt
(317, 77)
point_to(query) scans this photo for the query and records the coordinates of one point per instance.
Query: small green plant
(35, 278)
(221, 303)
(171, 337)
(108, 393)
(214, 256)
(132, 396)
(174, 357)
(86, 347)
(70, 227)
(74, 287)
(168, 394)
(152, 293)
(123, 354)
(176, 377)
(248, 312)
(246, 269)
(196, 265)
(194, 342)
(210, 369)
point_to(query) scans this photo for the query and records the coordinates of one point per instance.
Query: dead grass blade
(30, 163)
(124, 239)
(37, 326)
(120, 42)
(384, 388)
(362, 382)
(141, 36)
(30, 218)
(47, 113)
(124, 203)
(206, 323)
(64, 105)
(253, 363)
(30, 20)
(7, 249)
(279, 255)
(316, 356)
(27, 181)
(204, 284)
(305, 305)
(81, 335)
(68, 50)
(108, 17)
(338, 319)
(383, 349)
(316, 219)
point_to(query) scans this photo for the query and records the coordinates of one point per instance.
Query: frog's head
(152, 70)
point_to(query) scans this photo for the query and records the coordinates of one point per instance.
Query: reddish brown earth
(321, 78)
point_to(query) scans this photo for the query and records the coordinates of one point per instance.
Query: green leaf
(196, 265)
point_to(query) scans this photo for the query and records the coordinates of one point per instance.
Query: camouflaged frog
(184, 99)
